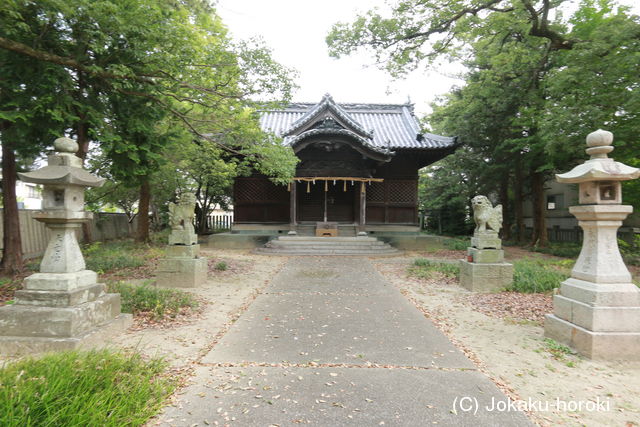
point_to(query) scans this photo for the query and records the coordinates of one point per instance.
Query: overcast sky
(296, 31)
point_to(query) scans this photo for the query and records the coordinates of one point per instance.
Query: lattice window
(401, 191)
(259, 190)
(375, 192)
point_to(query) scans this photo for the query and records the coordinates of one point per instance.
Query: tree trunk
(518, 204)
(143, 212)
(539, 237)
(82, 134)
(12, 244)
(506, 207)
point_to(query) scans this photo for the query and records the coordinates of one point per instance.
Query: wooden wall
(256, 199)
(394, 201)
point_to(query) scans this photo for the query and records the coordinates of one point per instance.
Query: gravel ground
(510, 348)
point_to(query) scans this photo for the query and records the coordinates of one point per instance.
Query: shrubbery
(534, 275)
(565, 250)
(423, 268)
(104, 257)
(159, 302)
(457, 243)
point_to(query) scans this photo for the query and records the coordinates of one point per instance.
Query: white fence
(104, 226)
(217, 222)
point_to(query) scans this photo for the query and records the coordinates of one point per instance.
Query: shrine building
(358, 168)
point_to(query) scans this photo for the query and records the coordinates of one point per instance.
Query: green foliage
(153, 83)
(105, 257)
(423, 268)
(160, 237)
(537, 81)
(160, 303)
(557, 350)
(221, 266)
(444, 194)
(457, 244)
(630, 250)
(535, 275)
(566, 250)
(98, 388)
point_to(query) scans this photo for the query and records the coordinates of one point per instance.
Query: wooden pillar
(325, 204)
(293, 202)
(363, 206)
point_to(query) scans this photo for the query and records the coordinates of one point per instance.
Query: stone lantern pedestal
(597, 310)
(63, 306)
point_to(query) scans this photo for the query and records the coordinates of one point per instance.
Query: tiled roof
(390, 126)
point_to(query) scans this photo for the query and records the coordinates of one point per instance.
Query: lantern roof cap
(599, 167)
(64, 168)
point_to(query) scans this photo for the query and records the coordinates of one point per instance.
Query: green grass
(105, 257)
(557, 350)
(423, 269)
(536, 275)
(565, 250)
(457, 243)
(630, 250)
(160, 302)
(98, 388)
(221, 266)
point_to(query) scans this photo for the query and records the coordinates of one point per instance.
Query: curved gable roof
(382, 126)
(319, 112)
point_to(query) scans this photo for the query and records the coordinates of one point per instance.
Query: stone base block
(14, 346)
(183, 237)
(490, 277)
(486, 256)
(60, 298)
(594, 345)
(60, 281)
(601, 294)
(486, 240)
(182, 251)
(58, 322)
(181, 272)
(597, 318)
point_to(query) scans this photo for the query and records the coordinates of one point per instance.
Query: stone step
(326, 239)
(267, 251)
(274, 243)
(311, 245)
(346, 248)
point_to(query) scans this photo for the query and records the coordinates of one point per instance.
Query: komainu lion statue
(181, 214)
(485, 215)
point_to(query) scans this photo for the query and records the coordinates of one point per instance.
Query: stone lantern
(597, 310)
(62, 306)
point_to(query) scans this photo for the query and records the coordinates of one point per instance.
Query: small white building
(29, 195)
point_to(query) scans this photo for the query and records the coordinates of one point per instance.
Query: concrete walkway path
(330, 342)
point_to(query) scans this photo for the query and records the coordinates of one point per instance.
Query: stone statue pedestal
(597, 310)
(484, 270)
(486, 240)
(182, 268)
(183, 237)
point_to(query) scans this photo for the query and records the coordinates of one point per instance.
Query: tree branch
(540, 27)
(447, 23)
(23, 49)
(180, 116)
